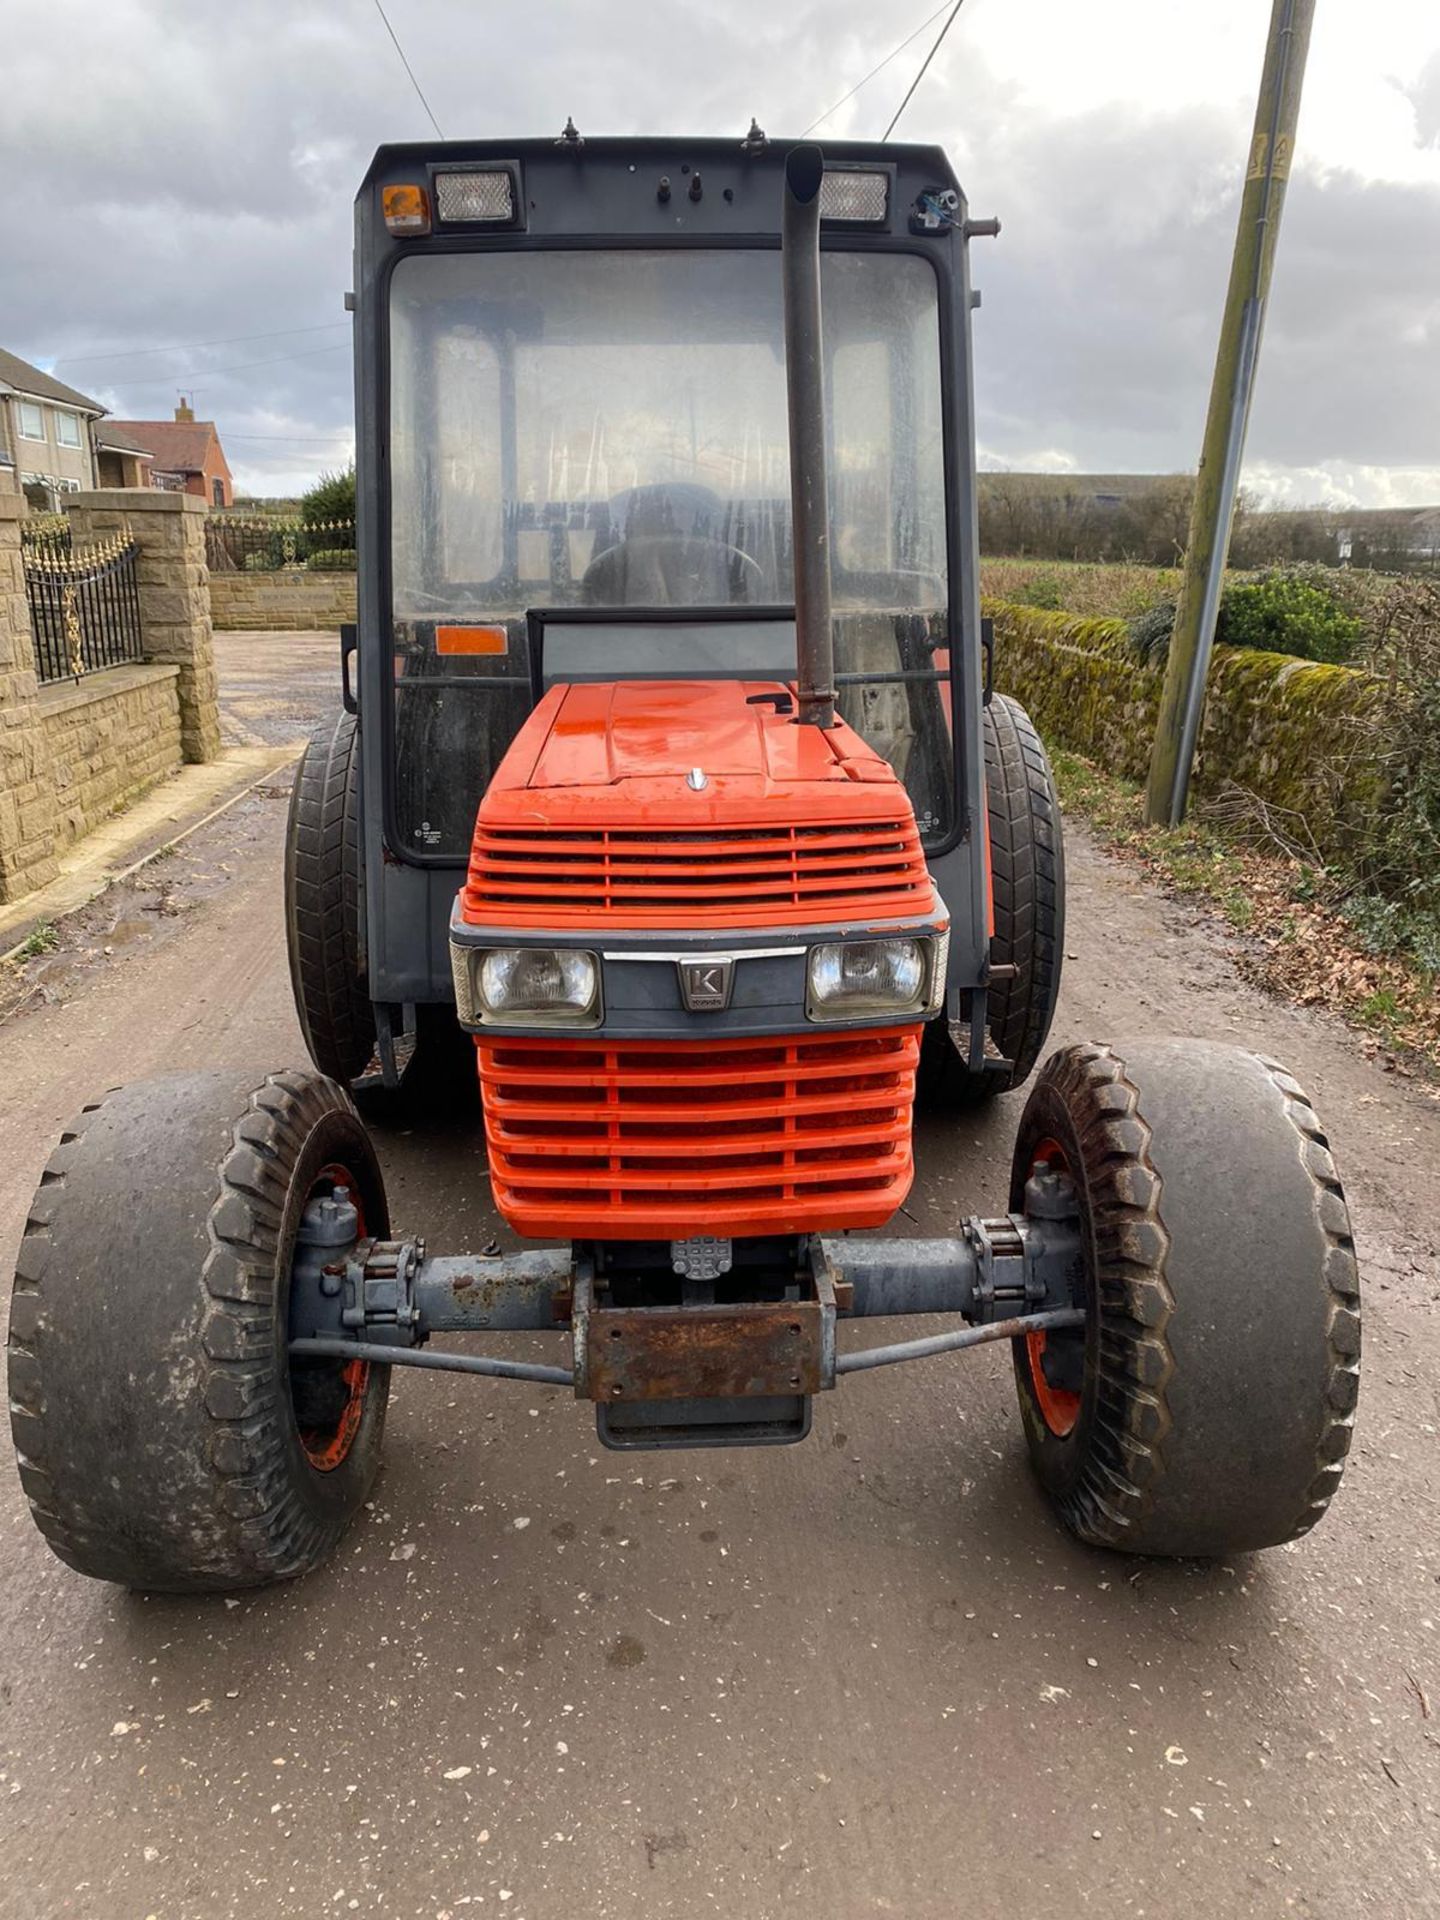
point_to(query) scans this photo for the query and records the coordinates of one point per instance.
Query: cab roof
(666, 187)
(609, 148)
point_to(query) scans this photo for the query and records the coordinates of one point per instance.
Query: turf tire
(325, 903)
(151, 1395)
(1221, 1359)
(1027, 864)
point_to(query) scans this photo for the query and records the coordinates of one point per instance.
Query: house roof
(19, 374)
(110, 440)
(178, 446)
(1420, 517)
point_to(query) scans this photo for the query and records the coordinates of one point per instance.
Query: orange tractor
(669, 774)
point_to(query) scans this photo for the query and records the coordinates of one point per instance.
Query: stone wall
(290, 600)
(174, 593)
(73, 752)
(1291, 732)
(27, 841)
(108, 737)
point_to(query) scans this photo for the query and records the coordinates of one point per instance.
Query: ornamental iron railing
(84, 606)
(240, 544)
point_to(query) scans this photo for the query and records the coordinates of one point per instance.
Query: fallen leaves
(1291, 941)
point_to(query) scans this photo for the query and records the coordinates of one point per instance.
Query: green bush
(1401, 855)
(330, 501)
(1289, 610)
(1150, 633)
(1305, 611)
(1043, 590)
(332, 560)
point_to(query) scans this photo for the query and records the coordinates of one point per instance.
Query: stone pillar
(27, 838)
(174, 593)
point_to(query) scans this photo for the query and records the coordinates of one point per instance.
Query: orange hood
(677, 803)
(659, 730)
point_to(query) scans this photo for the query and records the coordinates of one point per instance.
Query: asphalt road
(867, 1675)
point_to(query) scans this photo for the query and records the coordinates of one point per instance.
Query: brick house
(119, 460)
(185, 454)
(47, 440)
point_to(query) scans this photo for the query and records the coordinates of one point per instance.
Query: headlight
(532, 986)
(869, 976)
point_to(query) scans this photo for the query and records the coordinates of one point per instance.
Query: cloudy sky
(180, 172)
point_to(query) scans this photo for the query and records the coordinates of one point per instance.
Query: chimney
(185, 412)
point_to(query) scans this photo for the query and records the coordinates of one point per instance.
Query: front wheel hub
(328, 1396)
(1055, 1359)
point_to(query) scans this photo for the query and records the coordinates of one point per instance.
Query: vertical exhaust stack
(805, 391)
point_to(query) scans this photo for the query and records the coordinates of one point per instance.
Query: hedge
(1290, 732)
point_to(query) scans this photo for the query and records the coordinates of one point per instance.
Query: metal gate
(84, 606)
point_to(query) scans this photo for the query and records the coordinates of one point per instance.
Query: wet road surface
(866, 1675)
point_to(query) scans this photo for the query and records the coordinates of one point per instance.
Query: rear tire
(325, 903)
(1207, 1406)
(1027, 869)
(153, 1404)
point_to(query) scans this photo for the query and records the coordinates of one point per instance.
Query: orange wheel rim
(326, 1451)
(327, 1448)
(1059, 1407)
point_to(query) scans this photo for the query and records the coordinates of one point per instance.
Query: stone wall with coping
(108, 736)
(169, 529)
(288, 600)
(73, 752)
(27, 839)
(1293, 733)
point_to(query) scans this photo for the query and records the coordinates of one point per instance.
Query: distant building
(1394, 538)
(185, 454)
(119, 460)
(47, 445)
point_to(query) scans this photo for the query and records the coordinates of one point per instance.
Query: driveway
(866, 1675)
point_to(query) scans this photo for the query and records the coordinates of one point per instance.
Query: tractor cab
(605, 430)
(575, 466)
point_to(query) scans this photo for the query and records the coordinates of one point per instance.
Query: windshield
(608, 428)
(639, 396)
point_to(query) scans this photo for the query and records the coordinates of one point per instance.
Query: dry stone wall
(1290, 732)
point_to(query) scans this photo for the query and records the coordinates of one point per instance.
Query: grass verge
(1305, 940)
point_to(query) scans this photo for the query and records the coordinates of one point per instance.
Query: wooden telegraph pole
(1213, 510)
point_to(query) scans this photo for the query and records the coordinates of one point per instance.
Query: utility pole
(1213, 511)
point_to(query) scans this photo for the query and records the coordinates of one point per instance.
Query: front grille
(588, 1139)
(747, 876)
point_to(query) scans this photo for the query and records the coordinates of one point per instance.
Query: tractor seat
(671, 570)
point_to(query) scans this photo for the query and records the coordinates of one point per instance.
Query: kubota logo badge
(705, 983)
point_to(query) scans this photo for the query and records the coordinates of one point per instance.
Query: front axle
(688, 1342)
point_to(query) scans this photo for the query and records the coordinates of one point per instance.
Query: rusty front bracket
(751, 1349)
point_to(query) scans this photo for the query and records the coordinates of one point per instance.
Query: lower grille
(588, 1139)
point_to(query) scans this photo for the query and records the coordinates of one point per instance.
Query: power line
(212, 373)
(290, 439)
(915, 35)
(194, 346)
(924, 64)
(406, 64)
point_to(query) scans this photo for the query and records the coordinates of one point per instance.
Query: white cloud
(1333, 484)
(1033, 460)
(196, 167)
